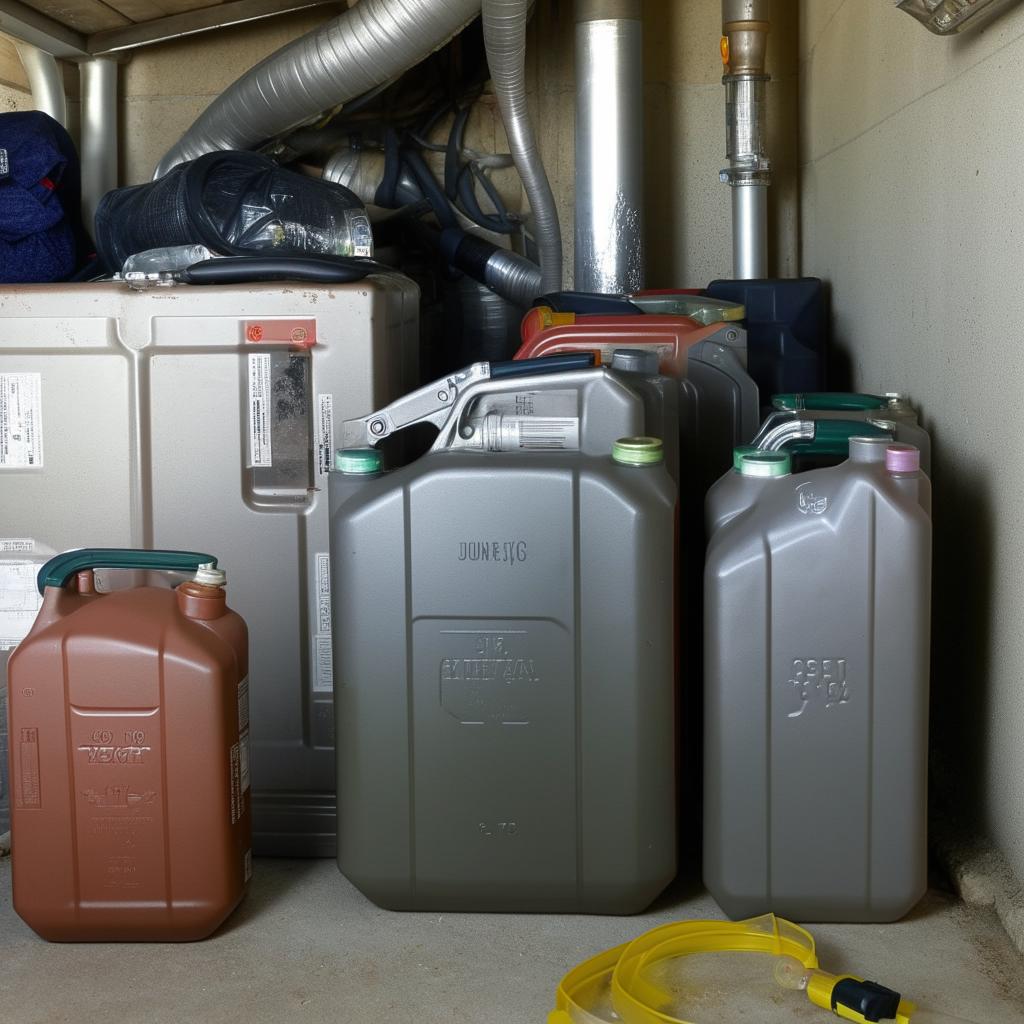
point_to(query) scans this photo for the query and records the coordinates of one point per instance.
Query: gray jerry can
(816, 656)
(505, 621)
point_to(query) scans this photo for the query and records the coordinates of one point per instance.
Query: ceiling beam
(29, 26)
(177, 26)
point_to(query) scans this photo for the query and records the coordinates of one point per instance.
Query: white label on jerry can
(260, 451)
(323, 650)
(243, 704)
(243, 757)
(21, 420)
(324, 433)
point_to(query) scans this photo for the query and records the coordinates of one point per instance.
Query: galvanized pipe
(609, 236)
(749, 231)
(745, 25)
(99, 133)
(45, 80)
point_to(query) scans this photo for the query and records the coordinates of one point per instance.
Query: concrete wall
(913, 210)
(166, 87)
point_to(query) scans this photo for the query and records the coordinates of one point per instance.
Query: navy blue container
(787, 331)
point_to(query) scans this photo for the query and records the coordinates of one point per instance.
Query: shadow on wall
(665, 133)
(961, 620)
(961, 628)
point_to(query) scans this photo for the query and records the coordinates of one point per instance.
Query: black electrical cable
(452, 150)
(430, 188)
(386, 194)
(500, 223)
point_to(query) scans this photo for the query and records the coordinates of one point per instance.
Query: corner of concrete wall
(911, 212)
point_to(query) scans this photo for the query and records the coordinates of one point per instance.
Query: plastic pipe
(609, 252)
(99, 133)
(45, 80)
(505, 42)
(370, 44)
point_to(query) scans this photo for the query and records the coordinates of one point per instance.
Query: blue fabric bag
(41, 238)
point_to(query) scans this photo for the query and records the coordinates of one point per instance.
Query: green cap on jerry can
(765, 464)
(638, 451)
(358, 460)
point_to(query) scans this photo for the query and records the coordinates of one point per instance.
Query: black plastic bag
(236, 204)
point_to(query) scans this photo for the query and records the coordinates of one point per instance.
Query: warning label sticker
(21, 420)
(243, 744)
(235, 783)
(323, 651)
(323, 654)
(243, 704)
(18, 545)
(19, 601)
(324, 433)
(260, 450)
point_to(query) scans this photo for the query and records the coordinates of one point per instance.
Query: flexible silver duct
(371, 43)
(609, 253)
(505, 41)
(514, 277)
(361, 170)
(45, 81)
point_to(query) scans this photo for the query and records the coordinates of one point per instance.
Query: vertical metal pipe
(45, 80)
(749, 231)
(99, 133)
(745, 25)
(609, 237)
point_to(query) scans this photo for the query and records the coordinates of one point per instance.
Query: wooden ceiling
(89, 16)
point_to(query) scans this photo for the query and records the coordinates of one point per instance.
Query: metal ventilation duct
(369, 45)
(609, 246)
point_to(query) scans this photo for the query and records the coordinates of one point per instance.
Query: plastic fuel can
(129, 723)
(505, 619)
(816, 661)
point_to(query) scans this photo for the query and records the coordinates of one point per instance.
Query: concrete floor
(306, 947)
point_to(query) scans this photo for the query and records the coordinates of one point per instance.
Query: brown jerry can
(129, 715)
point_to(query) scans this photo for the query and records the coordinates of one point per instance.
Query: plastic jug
(129, 724)
(893, 411)
(787, 331)
(719, 406)
(505, 621)
(816, 645)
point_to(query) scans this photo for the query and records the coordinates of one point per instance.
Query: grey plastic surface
(719, 409)
(506, 713)
(816, 648)
(146, 416)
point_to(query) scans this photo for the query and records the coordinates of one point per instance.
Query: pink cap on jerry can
(902, 458)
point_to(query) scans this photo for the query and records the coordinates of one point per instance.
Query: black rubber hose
(243, 269)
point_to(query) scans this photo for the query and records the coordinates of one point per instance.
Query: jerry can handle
(543, 364)
(832, 437)
(828, 401)
(59, 569)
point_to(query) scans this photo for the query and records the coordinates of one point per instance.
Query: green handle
(59, 569)
(832, 437)
(828, 401)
